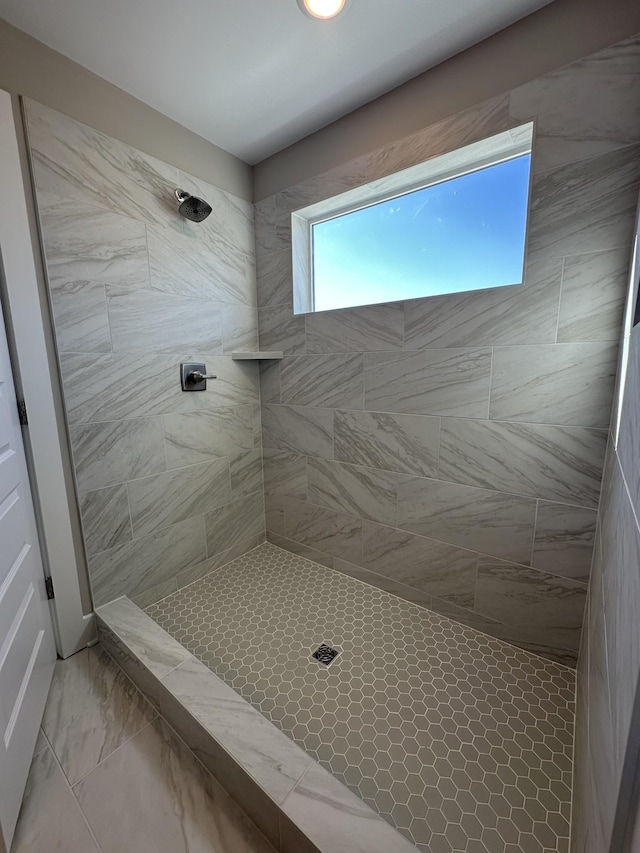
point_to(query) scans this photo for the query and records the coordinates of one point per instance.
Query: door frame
(37, 381)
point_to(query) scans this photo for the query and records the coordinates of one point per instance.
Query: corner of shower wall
(169, 483)
(485, 513)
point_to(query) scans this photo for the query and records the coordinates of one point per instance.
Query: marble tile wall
(451, 449)
(169, 483)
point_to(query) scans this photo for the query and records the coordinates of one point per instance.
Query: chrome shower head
(191, 207)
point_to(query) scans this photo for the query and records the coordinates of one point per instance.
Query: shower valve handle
(196, 376)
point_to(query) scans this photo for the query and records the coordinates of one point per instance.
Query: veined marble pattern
(554, 384)
(285, 473)
(178, 495)
(238, 520)
(329, 381)
(87, 243)
(105, 518)
(628, 450)
(586, 206)
(103, 387)
(81, 318)
(337, 533)
(373, 327)
(523, 314)
(443, 731)
(593, 294)
(239, 328)
(116, 451)
(583, 109)
(245, 472)
(556, 463)
(433, 382)
(365, 492)
(198, 437)
(274, 274)
(281, 329)
(428, 565)
(301, 429)
(564, 540)
(405, 443)
(477, 519)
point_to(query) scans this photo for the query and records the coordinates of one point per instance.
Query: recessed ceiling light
(322, 9)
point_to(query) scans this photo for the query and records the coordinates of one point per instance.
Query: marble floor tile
(234, 522)
(87, 243)
(426, 564)
(555, 463)
(162, 323)
(586, 108)
(104, 388)
(285, 473)
(594, 288)
(405, 443)
(364, 492)
(51, 820)
(329, 381)
(200, 436)
(524, 314)
(105, 518)
(274, 277)
(370, 328)
(477, 519)
(554, 384)
(281, 329)
(564, 539)
(115, 451)
(80, 317)
(142, 564)
(432, 382)
(301, 429)
(91, 710)
(587, 206)
(516, 595)
(178, 495)
(335, 533)
(165, 801)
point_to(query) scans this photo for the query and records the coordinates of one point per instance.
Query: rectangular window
(454, 223)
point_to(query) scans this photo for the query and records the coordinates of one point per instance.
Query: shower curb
(298, 805)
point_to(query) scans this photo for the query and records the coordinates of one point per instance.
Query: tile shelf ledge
(263, 355)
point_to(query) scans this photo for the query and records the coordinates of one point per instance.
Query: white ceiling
(254, 76)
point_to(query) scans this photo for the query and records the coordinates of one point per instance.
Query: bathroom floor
(461, 741)
(108, 775)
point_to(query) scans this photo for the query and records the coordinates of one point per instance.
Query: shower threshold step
(298, 805)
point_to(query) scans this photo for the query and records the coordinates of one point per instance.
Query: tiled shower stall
(434, 466)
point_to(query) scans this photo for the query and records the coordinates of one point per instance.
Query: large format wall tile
(104, 387)
(105, 518)
(116, 451)
(301, 429)
(593, 293)
(426, 564)
(434, 382)
(235, 522)
(285, 473)
(373, 327)
(477, 519)
(583, 109)
(245, 473)
(523, 314)
(563, 544)
(404, 443)
(587, 206)
(335, 533)
(198, 436)
(332, 381)
(554, 384)
(164, 323)
(80, 317)
(136, 566)
(239, 328)
(178, 495)
(281, 329)
(628, 447)
(87, 243)
(274, 275)
(556, 463)
(365, 492)
(534, 599)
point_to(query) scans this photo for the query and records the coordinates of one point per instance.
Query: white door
(27, 649)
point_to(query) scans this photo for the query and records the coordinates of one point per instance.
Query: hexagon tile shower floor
(461, 741)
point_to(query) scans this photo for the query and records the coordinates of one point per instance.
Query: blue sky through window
(467, 233)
